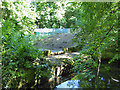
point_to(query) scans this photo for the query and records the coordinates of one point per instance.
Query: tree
(19, 65)
(99, 26)
(55, 14)
(98, 31)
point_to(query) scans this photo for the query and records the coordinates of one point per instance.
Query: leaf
(92, 76)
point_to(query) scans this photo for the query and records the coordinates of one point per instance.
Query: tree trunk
(99, 62)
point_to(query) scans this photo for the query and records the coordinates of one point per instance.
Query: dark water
(56, 81)
(109, 77)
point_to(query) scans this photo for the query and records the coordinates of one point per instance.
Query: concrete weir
(60, 63)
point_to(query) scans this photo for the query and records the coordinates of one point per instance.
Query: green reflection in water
(109, 77)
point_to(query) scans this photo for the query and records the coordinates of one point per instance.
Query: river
(109, 77)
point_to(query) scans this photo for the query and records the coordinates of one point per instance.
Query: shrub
(19, 62)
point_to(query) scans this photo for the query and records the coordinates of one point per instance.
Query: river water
(109, 77)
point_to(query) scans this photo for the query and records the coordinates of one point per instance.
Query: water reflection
(109, 78)
(69, 84)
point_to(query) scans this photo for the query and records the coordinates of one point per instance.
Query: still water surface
(109, 78)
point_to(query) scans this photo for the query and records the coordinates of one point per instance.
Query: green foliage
(19, 56)
(95, 26)
(56, 14)
(20, 14)
(98, 27)
(96, 30)
(18, 61)
(116, 57)
(49, 15)
(84, 66)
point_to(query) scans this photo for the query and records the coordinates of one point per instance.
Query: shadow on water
(109, 77)
(56, 81)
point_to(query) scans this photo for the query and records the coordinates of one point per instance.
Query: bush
(19, 62)
(84, 64)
